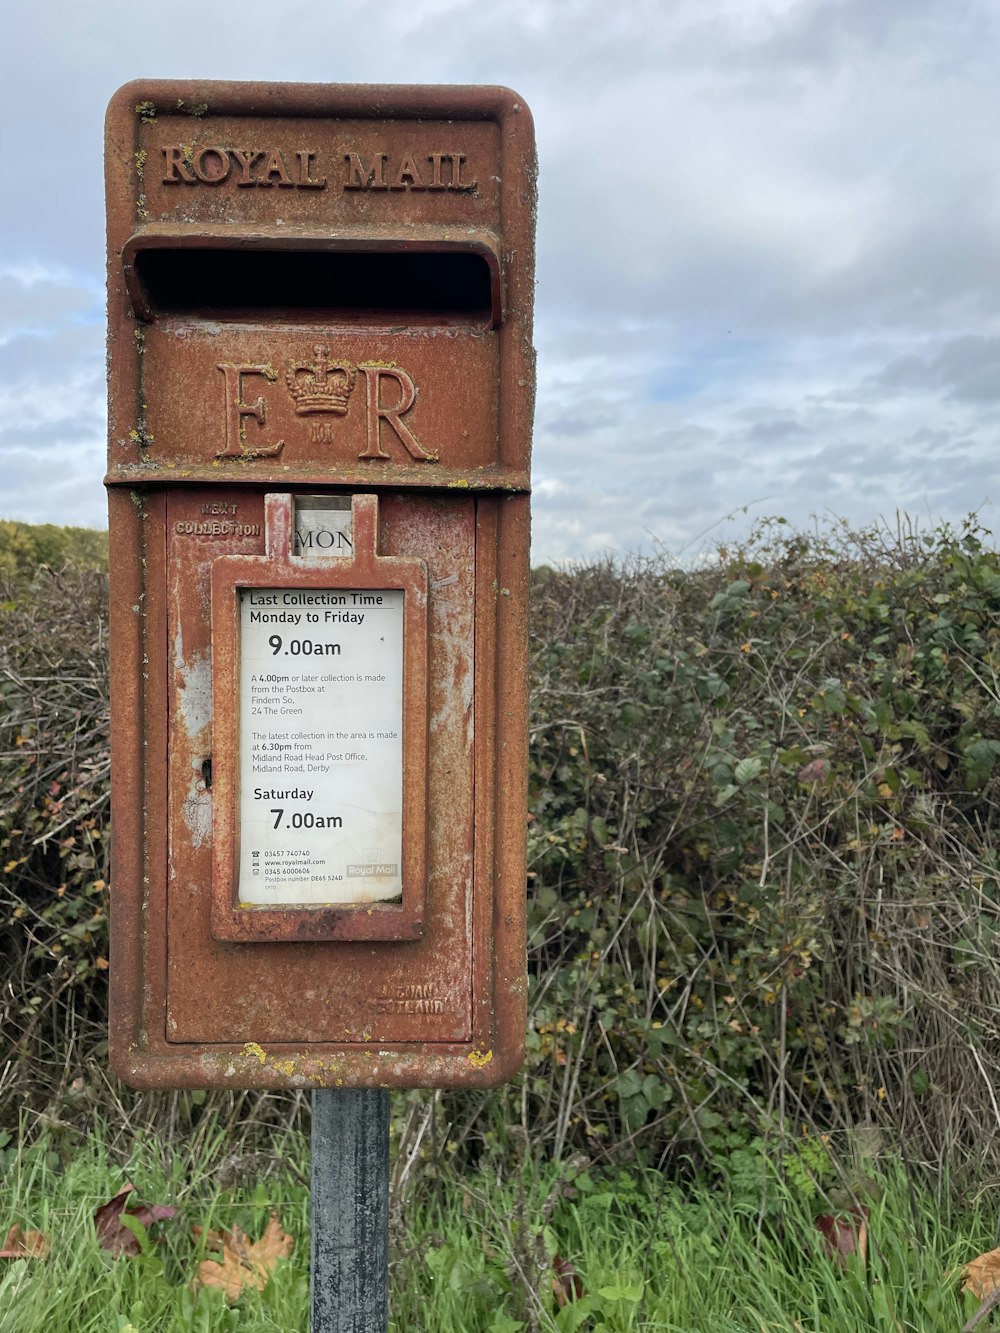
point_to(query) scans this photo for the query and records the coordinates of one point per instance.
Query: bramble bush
(763, 851)
(53, 827)
(763, 847)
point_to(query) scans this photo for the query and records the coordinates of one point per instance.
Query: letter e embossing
(237, 411)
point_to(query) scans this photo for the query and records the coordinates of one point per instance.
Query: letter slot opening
(450, 286)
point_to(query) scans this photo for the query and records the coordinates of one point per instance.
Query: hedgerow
(763, 851)
(763, 846)
(54, 828)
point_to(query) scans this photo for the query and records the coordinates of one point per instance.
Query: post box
(320, 403)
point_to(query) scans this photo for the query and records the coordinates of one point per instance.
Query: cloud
(52, 396)
(768, 270)
(965, 368)
(32, 302)
(69, 495)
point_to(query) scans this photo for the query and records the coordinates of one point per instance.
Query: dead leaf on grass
(982, 1275)
(813, 772)
(21, 1244)
(567, 1285)
(845, 1234)
(113, 1234)
(244, 1263)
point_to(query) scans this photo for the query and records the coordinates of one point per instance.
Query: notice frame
(280, 570)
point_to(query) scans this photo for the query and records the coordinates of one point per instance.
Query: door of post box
(319, 427)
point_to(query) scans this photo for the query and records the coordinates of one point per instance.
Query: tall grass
(547, 1249)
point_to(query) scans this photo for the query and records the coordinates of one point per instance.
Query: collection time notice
(321, 745)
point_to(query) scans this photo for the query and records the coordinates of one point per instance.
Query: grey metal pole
(349, 1273)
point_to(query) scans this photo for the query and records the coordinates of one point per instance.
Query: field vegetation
(764, 909)
(472, 1252)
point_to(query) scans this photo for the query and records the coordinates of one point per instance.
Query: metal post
(349, 1273)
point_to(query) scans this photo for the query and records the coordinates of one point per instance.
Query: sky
(768, 273)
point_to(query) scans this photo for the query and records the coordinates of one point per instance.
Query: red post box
(320, 402)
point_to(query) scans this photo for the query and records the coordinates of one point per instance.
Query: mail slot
(320, 404)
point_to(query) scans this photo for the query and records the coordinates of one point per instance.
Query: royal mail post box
(320, 404)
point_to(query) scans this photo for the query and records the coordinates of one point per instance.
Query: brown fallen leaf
(813, 772)
(21, 1244)
(244, 1263)
(567, 1285)
(982, 1275)
(845, 1234)
(113, 1234)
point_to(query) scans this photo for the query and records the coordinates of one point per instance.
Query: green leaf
(726, 794)
(546, 897)
(622, 1292)
(503, 1323)
(920, 1082)
(979, 757)
(747, 769)
(575, 1313)
(793, 758)
(629, 1084)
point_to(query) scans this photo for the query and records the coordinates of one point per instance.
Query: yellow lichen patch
(479, 1059)
(252, 1048)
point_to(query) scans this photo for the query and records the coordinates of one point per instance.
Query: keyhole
(206, 773)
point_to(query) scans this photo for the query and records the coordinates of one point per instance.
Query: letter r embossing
(176, 166)
(392, 415)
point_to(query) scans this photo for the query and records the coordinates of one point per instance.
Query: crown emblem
(323, 386)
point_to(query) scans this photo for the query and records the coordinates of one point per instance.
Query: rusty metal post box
(320, 403)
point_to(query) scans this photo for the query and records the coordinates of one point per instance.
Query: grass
(474, 1252)
(82, 1287)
